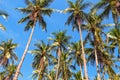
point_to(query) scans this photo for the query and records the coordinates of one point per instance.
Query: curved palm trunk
(83, 53)
(59, 56)
(3, 61)
(24, 54)
(96, 60)
(81, 70)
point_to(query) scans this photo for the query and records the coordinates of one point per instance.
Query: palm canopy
(76, 53)
(108, 6)
(65, 64)
(60, 39)
(8, 73)
(76, 12)
(77, 76)
(7, 52)
(4, 15)
(41, 58)
(59, 44)
(114, 38)
(95, 28)
(35, 10)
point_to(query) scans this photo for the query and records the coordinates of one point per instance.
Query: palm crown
(35, 11)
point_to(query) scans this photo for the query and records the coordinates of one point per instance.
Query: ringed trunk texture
(96, 60)
(59, 56)
(23, 56)
(83, 53)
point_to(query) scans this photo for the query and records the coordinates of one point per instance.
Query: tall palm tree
(109, 6)
(41, 59)
(35, 11)
(94, 32)
(77, 16)
(105, 60)
(4, 15)
(76, 54)
(7, 53)
(60, 40)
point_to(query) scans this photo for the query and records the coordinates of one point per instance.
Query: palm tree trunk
(41, 66)
(96, 60)
(7, 78)
(83, 53)
(59, 56)
(81, 70)
(24, 54)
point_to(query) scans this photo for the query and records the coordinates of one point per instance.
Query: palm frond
(71, 4)
(85, 5)
(3, 14)
(70, 20)
(47, 11)
(45, 3)
(42, 23)
(24, 19)
(2, 27)
(24, 10)
(106, 12)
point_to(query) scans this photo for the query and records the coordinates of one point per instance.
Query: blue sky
(16, 32)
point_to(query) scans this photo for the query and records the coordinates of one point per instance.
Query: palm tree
(7, 53)
(94, 29)
(4, 15)
(41, 59)
(94, 32)
(105, 60)
(76, 54)
(109, 6)
(60, 41)
(65, 64)
(114, 38)
(77, 16)
(35, 11)
(9, 72)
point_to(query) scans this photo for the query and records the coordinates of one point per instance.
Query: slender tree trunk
(24, 54)
(41, 67)
(7, 78)
(96, 60)
(83, 53)
(81, 70)
(59, 56)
